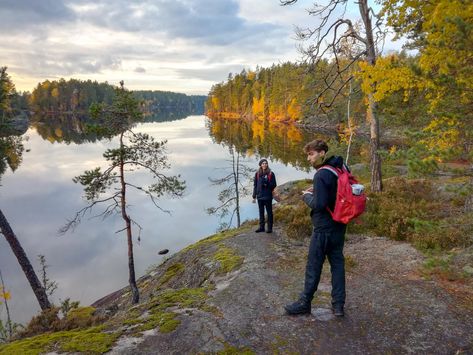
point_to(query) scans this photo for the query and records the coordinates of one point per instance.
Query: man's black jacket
(323, 196)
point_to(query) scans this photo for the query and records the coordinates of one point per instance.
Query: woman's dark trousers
(324, 244)
(268, 204)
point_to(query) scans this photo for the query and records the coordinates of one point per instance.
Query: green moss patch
(80, 318)
(233, 350)
(171, 272)
(213, 239)
(156, 310)
(228, 259)
(183, 298)
(90, 341)
(165, 321)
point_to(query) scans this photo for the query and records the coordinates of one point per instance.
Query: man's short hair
(316, 145)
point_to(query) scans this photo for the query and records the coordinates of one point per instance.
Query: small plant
(8, 328)
(49, 285)
(67, 305)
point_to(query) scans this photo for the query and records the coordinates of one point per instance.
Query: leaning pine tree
(135, 151)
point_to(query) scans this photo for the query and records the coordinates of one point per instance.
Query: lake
(40, 196)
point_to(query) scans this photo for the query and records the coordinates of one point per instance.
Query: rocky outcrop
(226, 293)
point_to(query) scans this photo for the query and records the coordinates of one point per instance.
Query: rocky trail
(390, 309)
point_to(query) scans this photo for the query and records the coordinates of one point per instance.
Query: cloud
(16, 15)
(185, 45)
(205, 21)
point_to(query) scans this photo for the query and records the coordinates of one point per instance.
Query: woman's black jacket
(263, 185)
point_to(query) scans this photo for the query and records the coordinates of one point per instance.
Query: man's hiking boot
(298, 307)
(338, 311)
(259, 230)
(269, 231)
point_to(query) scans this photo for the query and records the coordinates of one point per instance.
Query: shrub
(295, 219)
(415, 211)
(45, 321)
(48, 321)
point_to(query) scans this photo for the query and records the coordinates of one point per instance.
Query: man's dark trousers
(268, 204)
(324, 244)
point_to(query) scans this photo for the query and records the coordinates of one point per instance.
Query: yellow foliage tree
(215, 102)
(388, 76)
(258, 107)
(442, 31)
(294, 110)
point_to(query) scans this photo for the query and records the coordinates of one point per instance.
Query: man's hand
(310, 190)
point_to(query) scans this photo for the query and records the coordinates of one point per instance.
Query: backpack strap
(328, 167)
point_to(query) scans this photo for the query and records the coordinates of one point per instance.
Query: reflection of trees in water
(275, 141)
(11, 153)
(73, 128)
(167, 115)
(235, 182)
(65, 128)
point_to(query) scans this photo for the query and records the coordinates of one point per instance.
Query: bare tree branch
(72, 224)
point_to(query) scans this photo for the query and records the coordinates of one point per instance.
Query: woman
(264, 184)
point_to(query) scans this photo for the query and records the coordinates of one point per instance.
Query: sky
(174, 45)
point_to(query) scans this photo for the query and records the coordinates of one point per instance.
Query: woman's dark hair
(261, 172)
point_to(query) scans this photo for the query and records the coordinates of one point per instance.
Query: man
(328, 236)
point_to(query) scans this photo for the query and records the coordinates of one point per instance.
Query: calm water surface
(91, 262)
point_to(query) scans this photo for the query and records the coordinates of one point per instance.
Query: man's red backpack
(351, 200)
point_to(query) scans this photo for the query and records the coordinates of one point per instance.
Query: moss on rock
(155, 314)
(228, 259)
(171, 272)
(91, 341)
(215, 238)
(165, 321)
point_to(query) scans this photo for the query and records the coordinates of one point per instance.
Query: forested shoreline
(76, 96)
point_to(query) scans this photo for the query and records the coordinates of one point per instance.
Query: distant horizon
(102, 82)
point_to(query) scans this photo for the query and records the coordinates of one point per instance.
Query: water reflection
(64, 128)
(166, 115)
(75, 128)
(11, 152)
(40, 195)
(276, 141)
(235, 180)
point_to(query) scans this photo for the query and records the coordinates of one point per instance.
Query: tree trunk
(135, 295)
(375, 159)
(371, 114)
(237, 191)
(24, 262)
